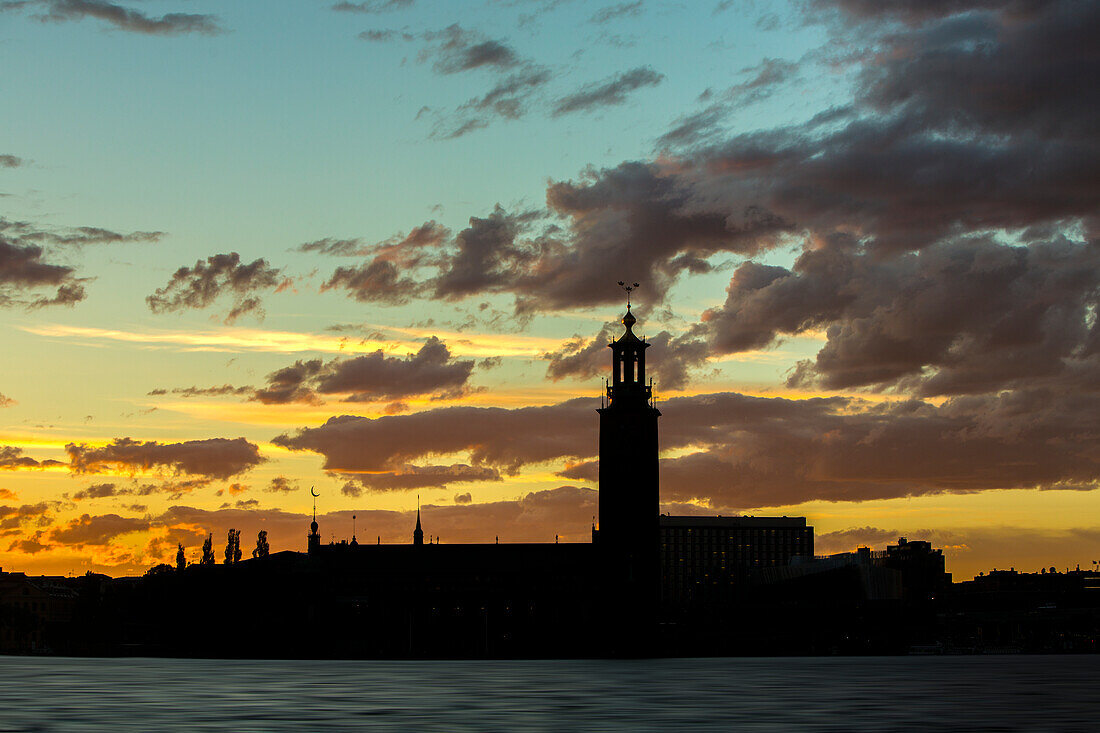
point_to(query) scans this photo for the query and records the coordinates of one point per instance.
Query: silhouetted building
(702, 557)
(922, 568)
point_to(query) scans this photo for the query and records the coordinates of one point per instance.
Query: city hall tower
(629, 485)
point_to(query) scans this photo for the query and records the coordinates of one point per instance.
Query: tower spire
(418, 533)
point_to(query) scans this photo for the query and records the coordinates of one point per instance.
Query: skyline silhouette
(373, 248)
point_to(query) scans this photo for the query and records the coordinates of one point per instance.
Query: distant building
(702, 557)
(922, 568)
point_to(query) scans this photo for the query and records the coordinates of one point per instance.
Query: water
(942, 694)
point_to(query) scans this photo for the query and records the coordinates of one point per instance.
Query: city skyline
(373, 248)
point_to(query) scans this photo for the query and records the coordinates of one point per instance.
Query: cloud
(960, 317)
(97, 491)
(7, 495)
(22, 269)
(463, 498)
(12, 517)
(97, 530)
(757, 452)
(454, 49)
(12, 458)
(370, 377)
(732, 450)
(424, 477)
(6, 401)
(334, 247)
(122, 18)
(199, 286)
(282, 485)
(767, 77)
(379, 278)
(635, 220)
(615, 12)
(377, 6)
(609, 92)
(493, 436)
(10, 161)
(216, 458)
(225, 389)
(30, 545)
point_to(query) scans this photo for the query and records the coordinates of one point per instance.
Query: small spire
(418, 533)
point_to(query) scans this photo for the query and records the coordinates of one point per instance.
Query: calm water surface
(1012, 693)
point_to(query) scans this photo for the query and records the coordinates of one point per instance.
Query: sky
(372, 248)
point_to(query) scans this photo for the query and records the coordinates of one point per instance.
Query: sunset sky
(247, 248)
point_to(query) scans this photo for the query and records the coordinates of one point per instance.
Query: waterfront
(985, 693)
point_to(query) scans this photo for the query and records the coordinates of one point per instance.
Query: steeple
(628, 474)
(418, 533)
(313, 540)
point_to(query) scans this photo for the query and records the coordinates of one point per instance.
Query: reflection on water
(1018, 693)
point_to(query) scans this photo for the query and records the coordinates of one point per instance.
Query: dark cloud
(97, 491)
(609, 92)
(22, 269)
(97, 530)
(217, 458)
(846, 540)
(493, 436)
(376, 376)
(960, 317)
(225, 389)
(335, 247)
(377, 6)
(485, 256)
(290, 384)
(507, 99)
(424, 477)
(282, 485)
(915, 13)
(380, 279)
(745, 452)
(463, 498)
(757, 452)
(30, 545)
(6, 401)
(12, 458)
(766, 78)
(122, 18)
(454, 49)
(614, 12)
(635, 220)
(696, 128)
(25, 232)
(199, 286)
(13, 517)
(370, 377)
(10, 161)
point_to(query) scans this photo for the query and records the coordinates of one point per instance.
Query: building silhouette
(644, 584)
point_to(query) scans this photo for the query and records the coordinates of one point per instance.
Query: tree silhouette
(208, 551)
(262, 548)
(181, 559)
(233, 547)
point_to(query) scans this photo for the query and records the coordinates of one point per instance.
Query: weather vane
(629, 289)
